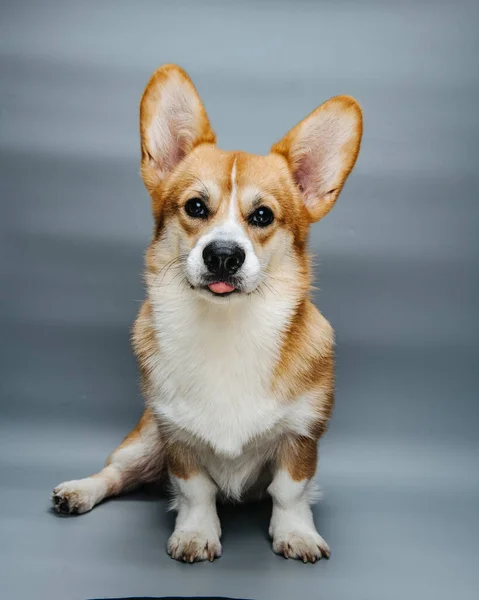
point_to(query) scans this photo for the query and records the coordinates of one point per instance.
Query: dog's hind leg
(138, 459)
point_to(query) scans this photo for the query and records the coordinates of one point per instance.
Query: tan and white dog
(237, 364)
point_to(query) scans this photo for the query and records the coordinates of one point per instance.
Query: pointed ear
(173, 121)
(322, 150)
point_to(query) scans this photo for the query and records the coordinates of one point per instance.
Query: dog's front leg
(292, 526)
(137, 460)
(197, 530)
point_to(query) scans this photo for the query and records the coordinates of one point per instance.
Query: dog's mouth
(214, 287)
(222, 288)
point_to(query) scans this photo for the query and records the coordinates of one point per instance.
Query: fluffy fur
(239, 387)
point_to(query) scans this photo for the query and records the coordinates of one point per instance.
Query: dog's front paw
(75, 497)
(193, 546)
(308, 547)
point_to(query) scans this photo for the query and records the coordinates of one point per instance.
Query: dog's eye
(196, 209)
(261, 217)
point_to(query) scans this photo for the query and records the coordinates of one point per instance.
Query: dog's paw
(193, 546)
(308, 547)
(74, 497)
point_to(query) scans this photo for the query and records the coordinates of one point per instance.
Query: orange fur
(181, 461)
(299, 456)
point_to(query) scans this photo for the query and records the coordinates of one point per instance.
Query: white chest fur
(213, 377)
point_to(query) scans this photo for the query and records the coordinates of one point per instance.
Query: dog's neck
(188, 313)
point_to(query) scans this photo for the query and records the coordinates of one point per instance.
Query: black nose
(223, 258)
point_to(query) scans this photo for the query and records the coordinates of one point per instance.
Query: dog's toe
(308, 547)
(61, 504)
(193, 546)
(72, 498)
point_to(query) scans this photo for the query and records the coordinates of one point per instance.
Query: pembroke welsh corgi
(237, 364)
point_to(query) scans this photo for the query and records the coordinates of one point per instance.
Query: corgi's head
(228, 224)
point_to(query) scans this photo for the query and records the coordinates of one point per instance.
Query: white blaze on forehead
(231, 227)
(234, 194)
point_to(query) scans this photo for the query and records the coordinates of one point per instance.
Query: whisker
(174, 262)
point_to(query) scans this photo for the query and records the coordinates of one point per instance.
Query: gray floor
(398, 268)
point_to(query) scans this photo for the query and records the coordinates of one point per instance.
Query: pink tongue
(221, 287)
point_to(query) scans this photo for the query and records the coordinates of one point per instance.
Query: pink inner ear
(173, 131)
(176, 152)
(299, 177)
(305, 176)
(317, 169)
(170, 143)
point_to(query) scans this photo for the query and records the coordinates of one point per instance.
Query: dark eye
(261, 217)
(196, 209)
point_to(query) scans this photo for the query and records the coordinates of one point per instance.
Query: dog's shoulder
(306, 361)
(144, 341)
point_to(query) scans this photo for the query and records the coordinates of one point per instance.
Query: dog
(237, 364)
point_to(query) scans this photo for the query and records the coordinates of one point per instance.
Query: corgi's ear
(321, 151)
(173, 121)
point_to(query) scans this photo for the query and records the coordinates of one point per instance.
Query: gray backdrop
(398, 263)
